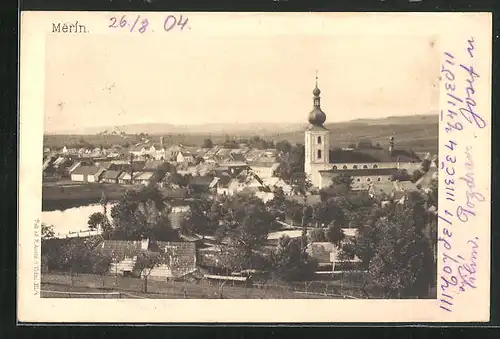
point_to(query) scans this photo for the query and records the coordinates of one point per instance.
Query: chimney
(144, 244)
(161, 142)
(391, 144)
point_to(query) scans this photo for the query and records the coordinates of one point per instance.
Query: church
(366, 164)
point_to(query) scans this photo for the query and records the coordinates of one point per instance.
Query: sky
(93, 81)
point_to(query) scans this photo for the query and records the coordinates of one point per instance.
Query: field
(91, 286)
(63, 195)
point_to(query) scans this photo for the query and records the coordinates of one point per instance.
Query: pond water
(71, 220)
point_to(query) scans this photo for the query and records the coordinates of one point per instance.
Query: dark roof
(260, 163)
(224, 180)
(201, 180)
(105, 165)
(111, 174)
(317, 128)
(371, 155)
(362, 171)
(87, 170)
(180, 256)
(120, 248)
(237, 157)
(153, 164)
(136, 166)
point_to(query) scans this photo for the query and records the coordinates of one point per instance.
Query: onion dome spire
(317, 117)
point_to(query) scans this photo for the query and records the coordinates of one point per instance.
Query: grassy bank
(61, 197)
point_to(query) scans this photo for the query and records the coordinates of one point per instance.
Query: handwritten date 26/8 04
(141, 25)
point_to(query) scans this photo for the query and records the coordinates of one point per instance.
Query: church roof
(372, 155)
(316, 128)
(362, 171)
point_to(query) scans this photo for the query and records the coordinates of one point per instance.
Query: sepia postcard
(254, 167)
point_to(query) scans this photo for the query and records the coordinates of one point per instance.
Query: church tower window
(319, 140)
(319, 154)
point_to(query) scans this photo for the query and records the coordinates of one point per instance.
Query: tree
(161, 172)
(317, 235)
(283, 147)
(401, 175)
(328, 212)
(97, 220)
(246, 223)
(207, 143)
(335, 235)
(301, 184)
(145, 263)
(104, 203)
(199, 219)
(426, 164)
(290, 262)
(75, 256)
(140, 215)
(292, 164)
(417, 174)
(100, 264)
(277, 206)
(395, 251)
(340, 186)
(433, 197)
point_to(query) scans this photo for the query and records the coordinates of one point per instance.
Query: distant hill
(418, 132)
(164, 128)
(399, 120)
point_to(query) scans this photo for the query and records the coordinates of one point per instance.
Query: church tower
(317, 141)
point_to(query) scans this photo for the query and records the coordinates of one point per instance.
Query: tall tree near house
(246, 224)
(425, 166)
(277, 206)
(140, 215)
(104, 203)
(395, 251)
(161, 171)
(433, 197)
(301, 184)
(198, 219)
(341, 186)
(100, 264)
(131, 160)
(75, 256)
(417, 174)
(335, 235)
(318, 235)
(290, 262)
(146, 262)
(327, 213)
(292, 164)
(96, 220)
(283, 147)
